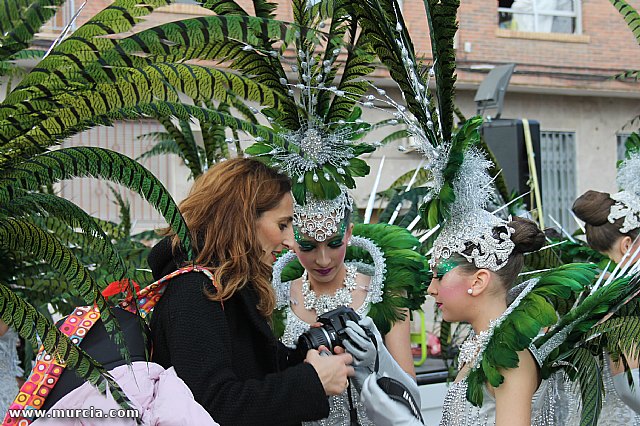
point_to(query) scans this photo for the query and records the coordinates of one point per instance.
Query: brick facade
(561, 80)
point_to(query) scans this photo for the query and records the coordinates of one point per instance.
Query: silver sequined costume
(338, 404)
(9, 370)
(614, 411)
(458, 411)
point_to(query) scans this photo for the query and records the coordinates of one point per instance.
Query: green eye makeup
(443, 267)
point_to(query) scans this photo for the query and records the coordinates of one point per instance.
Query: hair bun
(527, 236)
(593, 207)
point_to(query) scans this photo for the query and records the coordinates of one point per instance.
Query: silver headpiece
(319, 219)
(471, 231)
(480, 237)
(627, 201)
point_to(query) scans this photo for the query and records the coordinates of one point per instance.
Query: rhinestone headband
(627, 201)
(474, 238)
(320, 219)
(627, 206)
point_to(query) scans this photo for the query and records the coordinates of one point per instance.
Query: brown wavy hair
(221, 212)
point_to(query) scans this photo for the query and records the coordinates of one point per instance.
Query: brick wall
(582, 62)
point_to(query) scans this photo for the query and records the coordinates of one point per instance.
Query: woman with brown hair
(612, 225)
(604, 235)
(219, 339)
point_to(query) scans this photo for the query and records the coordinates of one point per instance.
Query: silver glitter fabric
(614, 411)
(478, 236)
(472, 232)
(282, 289)
(457, 411)
(319, 219)
(338, 404)
(376, 286)
(627, 201)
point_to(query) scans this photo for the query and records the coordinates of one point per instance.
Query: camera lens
(313, 339)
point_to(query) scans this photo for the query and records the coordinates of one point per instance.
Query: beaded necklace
(325, 303)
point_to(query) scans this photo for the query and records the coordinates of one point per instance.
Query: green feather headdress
(319, 127)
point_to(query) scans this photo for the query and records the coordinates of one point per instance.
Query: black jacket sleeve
(197, 333)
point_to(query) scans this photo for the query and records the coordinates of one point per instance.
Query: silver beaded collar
(325, 303)
(377, 272)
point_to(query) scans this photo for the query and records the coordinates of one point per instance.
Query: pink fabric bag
(159, 395)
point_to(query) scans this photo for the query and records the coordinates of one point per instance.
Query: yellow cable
(532, 169)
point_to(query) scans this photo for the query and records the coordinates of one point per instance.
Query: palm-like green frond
(94, 162)
(117, 18)
(631, 74)
(20, 20)
(422, 176)
(358, 64)
(414, 198)
(182, 144)
(19, 235)
(165, 146)
(70, 214)
(588, 374)
(630, 15)
(441, 16)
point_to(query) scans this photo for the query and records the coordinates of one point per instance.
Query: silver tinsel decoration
(627, 201)
(310, 148)
(472, 232)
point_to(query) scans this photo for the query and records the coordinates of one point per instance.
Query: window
(540, 16)
(558, 177)
(64, 15)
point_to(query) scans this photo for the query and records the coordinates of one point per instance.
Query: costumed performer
(612, 224)
(385, 287)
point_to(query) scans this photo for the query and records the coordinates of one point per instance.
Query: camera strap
(398, 392)
(353, 412)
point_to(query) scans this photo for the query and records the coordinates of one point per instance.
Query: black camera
(331, 333)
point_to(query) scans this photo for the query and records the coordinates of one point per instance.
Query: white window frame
(576, 13)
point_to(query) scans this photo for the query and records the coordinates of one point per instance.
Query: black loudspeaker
(505, 138)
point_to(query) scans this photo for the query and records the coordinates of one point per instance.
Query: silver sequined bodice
(614, 411)
(339, 404)
(457, 411)
(8, 370)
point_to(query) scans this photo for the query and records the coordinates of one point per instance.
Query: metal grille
(94, 195)
(558, 176)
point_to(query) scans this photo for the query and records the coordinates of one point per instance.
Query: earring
(470, 291)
